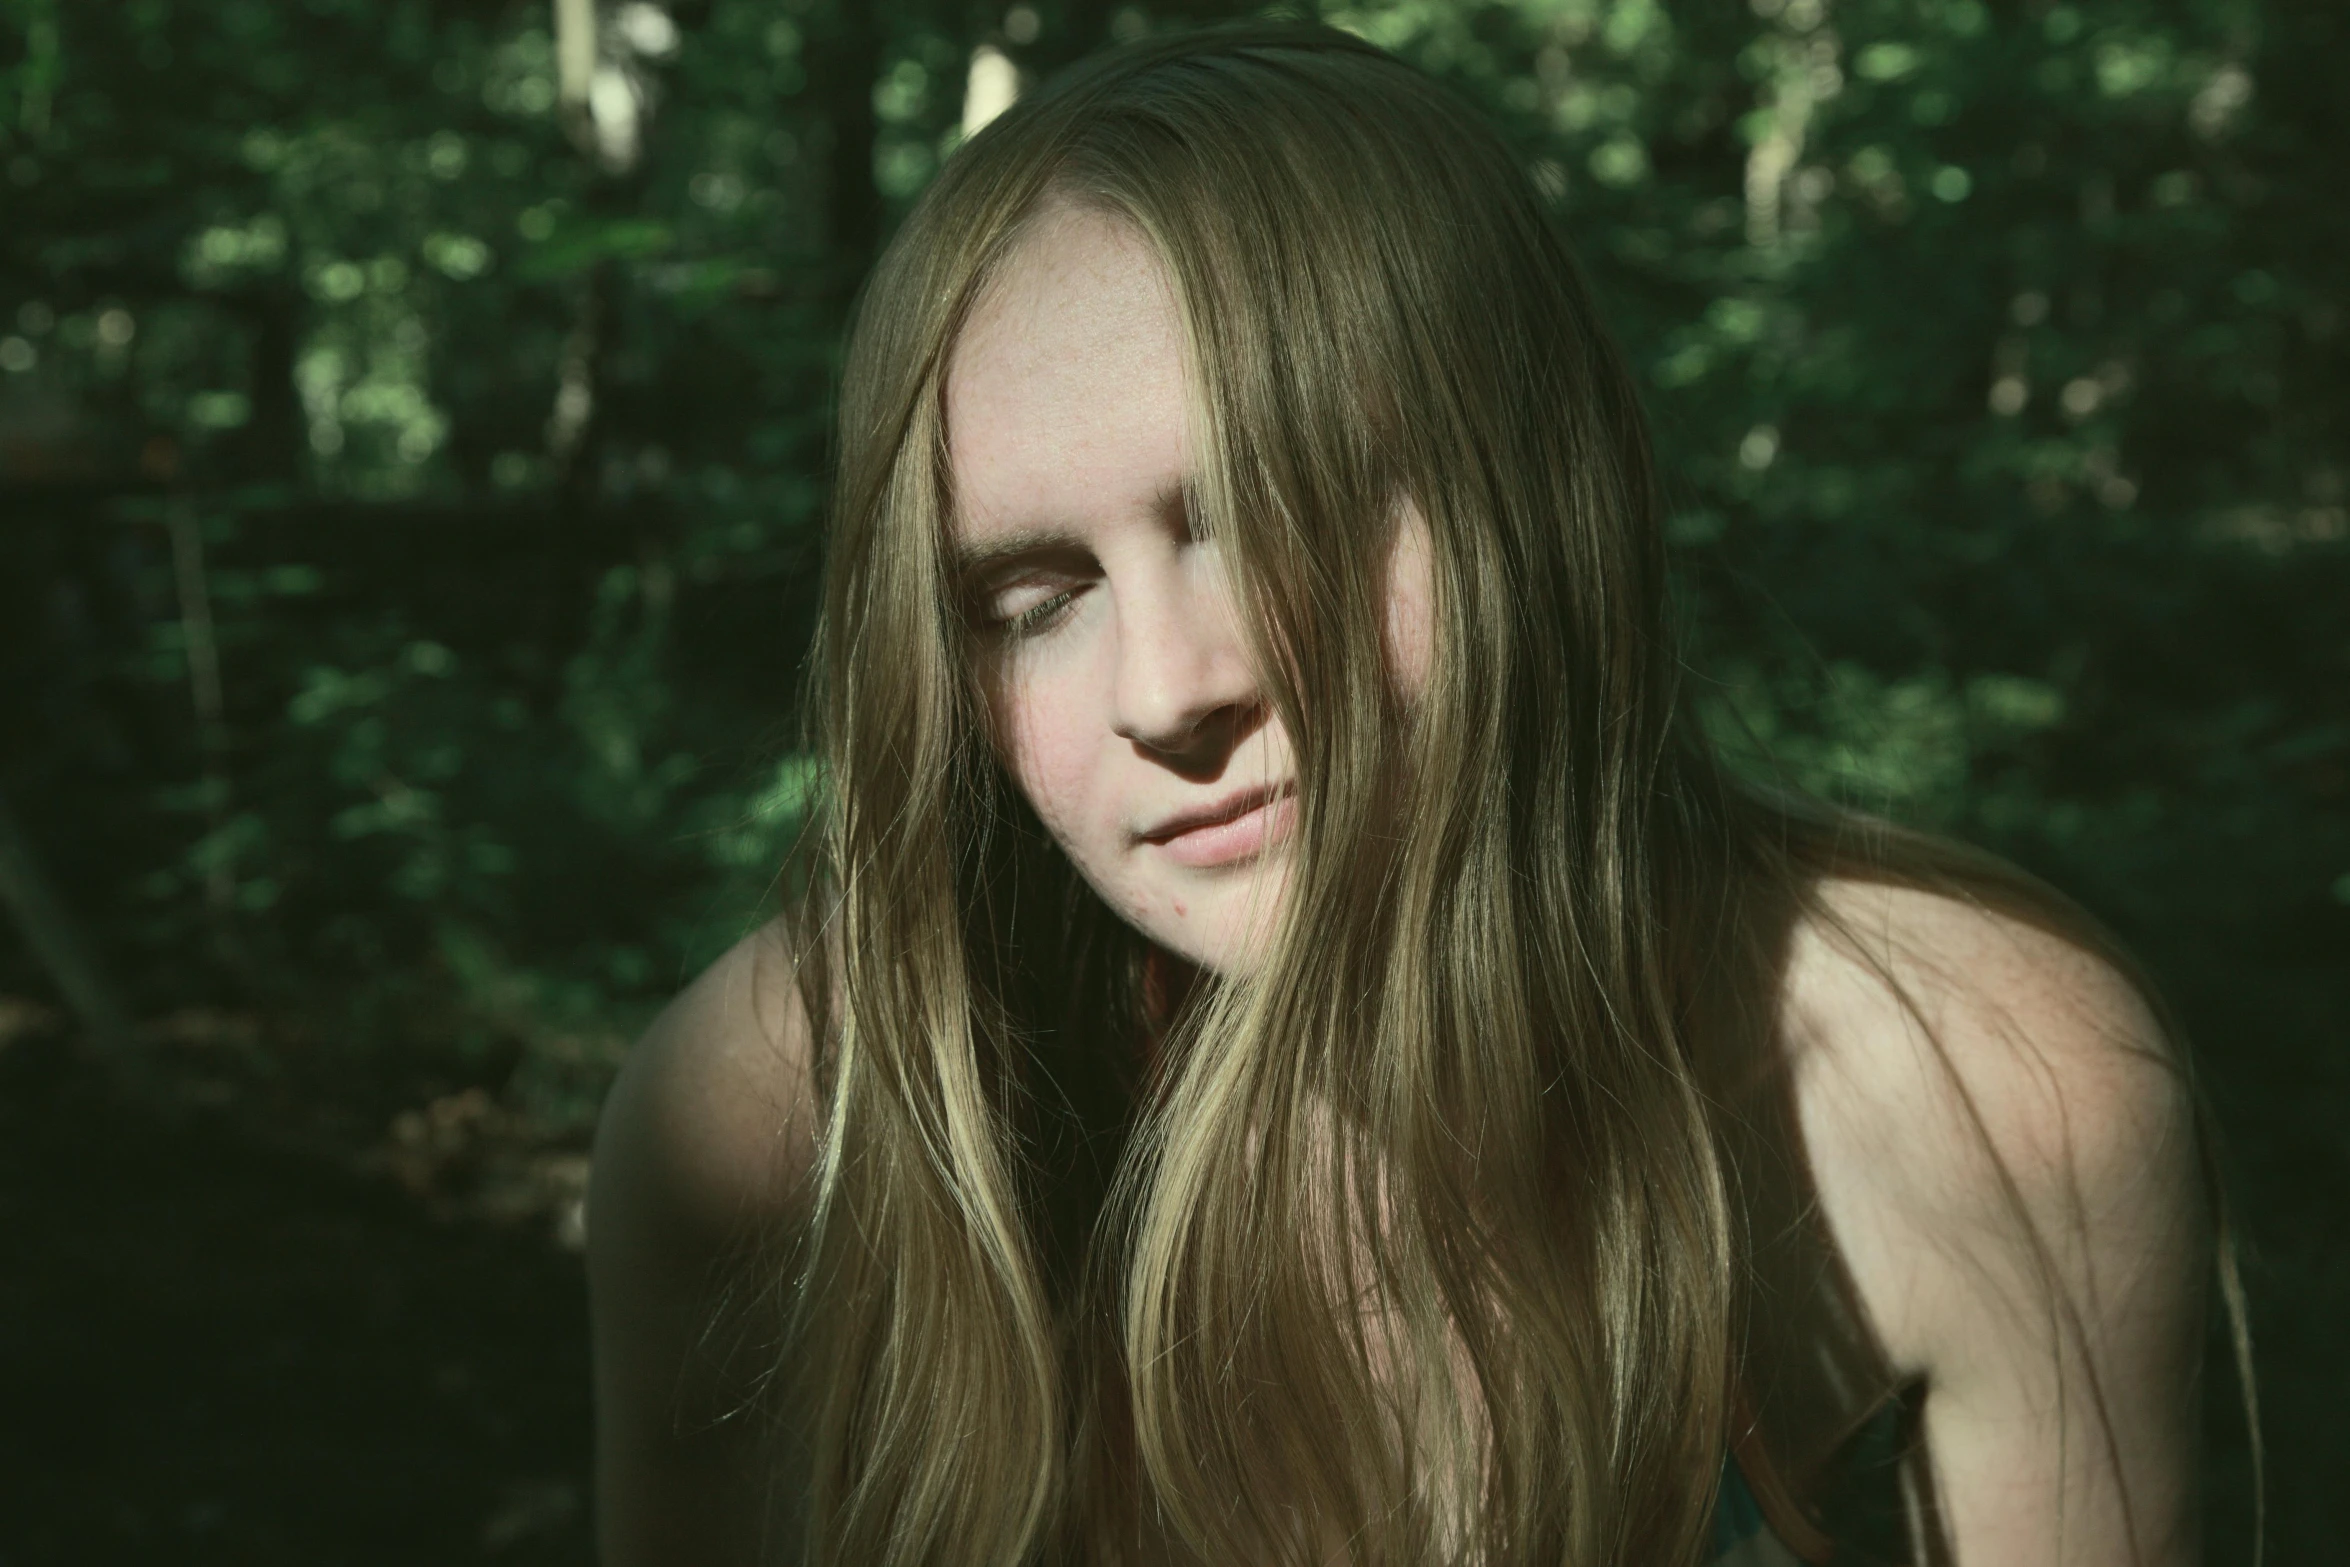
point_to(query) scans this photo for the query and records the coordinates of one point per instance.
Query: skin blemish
(1180, 910)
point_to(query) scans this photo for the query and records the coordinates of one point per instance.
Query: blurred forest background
(412, 450)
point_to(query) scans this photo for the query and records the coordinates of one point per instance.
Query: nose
(1183, 686)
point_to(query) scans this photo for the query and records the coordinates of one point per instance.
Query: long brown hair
(1423, 1238)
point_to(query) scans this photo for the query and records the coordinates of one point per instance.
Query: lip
(1238, 827)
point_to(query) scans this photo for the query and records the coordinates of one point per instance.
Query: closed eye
(1025, 603)
(1038, 618)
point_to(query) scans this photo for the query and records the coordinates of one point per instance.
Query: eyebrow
(976, 559)
(972, 560)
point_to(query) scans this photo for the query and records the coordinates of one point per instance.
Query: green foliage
(1996, 354)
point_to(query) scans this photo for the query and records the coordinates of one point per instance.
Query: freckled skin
(1130, 697)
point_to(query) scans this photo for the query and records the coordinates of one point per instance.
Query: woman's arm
(2011, 1172)
(700, 1162)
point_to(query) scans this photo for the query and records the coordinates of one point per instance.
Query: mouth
(1240, 826)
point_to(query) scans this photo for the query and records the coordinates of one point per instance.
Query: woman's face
(1119, 682)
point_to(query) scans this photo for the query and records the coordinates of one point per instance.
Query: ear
(1410, 622)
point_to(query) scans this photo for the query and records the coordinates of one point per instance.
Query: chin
(1225, 926)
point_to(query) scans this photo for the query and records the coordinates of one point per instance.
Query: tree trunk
(57, 943)
(848, 60)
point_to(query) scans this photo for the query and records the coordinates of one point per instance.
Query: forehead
(1065, 393)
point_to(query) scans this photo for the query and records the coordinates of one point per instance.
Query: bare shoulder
(710, 1125)
(1990, 1108)
(701, 1164)
(2004, 1147)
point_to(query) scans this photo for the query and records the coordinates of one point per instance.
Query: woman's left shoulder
(1990, 1108)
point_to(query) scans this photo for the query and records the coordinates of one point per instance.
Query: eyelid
(1040, 617)
(1044, 584)
(985, 595)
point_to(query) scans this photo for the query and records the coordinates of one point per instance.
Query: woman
(1292, 1050)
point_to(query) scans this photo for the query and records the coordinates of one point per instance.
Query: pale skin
(1125, 699)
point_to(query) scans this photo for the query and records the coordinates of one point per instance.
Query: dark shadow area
(213, 1352)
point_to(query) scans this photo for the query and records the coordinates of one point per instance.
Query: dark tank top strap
(1825, 1430)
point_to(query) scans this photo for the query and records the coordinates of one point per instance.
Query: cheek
(1051, 753)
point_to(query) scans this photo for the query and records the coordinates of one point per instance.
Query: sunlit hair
(1419, 1243)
